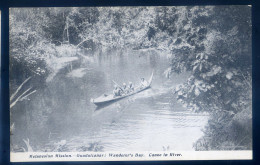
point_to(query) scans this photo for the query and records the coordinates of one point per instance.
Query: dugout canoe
(106, 99)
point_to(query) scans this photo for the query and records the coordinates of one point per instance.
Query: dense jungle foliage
(212, 43)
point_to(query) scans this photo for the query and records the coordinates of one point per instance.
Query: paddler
(116, 91)
(124, 87)
(130, 87)
(144, 83)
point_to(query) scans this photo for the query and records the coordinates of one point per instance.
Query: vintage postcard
(131, 83)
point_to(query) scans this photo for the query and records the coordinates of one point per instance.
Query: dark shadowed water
(148, 121)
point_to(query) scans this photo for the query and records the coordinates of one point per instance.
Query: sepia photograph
(130, 83)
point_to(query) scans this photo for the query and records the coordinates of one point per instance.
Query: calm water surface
(148, 121)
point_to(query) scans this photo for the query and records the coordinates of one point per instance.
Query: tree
(220, 63)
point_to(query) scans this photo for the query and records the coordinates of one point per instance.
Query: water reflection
(147, 124)
(150, 120)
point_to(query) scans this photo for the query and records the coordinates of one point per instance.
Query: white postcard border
(130, 156)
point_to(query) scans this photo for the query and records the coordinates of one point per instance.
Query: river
(152, 120)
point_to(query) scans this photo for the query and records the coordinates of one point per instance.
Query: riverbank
(66, 120)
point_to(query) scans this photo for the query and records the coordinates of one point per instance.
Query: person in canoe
(144, 83)
(130, 87)
(116, 91)
(124, 87)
